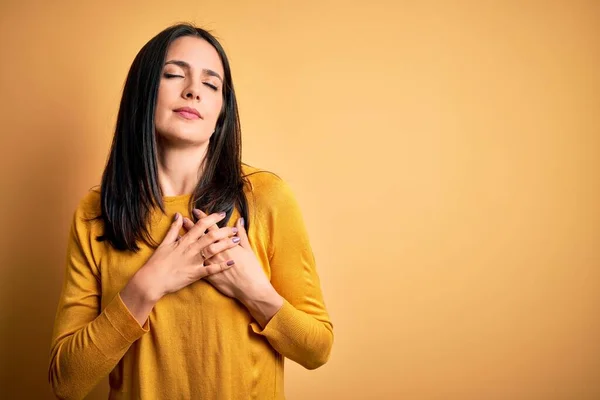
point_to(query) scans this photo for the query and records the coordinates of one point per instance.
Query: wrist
(262, 302)
(257, 292)
(139, 298)
(141, 285)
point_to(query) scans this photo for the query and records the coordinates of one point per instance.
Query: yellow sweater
(197, 343)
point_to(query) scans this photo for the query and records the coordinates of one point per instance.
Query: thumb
(244, 242)
(173, 232)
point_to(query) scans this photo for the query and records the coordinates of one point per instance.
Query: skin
(230, 264)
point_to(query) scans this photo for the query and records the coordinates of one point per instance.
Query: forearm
(77, 368)
(82, 358)
(298, 336)
(262, 304)
(139, 297)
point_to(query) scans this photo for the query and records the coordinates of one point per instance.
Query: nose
(191, 92)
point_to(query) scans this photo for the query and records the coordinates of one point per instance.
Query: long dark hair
(130, 188)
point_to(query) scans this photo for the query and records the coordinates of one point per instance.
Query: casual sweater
(196, 343)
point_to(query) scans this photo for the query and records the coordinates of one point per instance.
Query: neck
(180, 168)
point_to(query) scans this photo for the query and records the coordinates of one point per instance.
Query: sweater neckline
(177, 199)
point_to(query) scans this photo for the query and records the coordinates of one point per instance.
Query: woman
(173, 302)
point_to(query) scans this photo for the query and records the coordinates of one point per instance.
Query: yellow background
(445, 155)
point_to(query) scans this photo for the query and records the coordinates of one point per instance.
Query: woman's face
(192, 78)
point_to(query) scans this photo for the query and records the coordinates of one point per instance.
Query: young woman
(189, 274)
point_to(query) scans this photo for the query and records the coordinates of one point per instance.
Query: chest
(118, 267)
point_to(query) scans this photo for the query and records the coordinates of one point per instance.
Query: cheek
(216, 108)
(163, 95)
(160, 116)
(162, 110)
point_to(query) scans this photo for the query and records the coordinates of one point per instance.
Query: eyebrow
(186, 65)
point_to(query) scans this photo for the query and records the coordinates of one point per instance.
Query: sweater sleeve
(87, 343)
(301, 330)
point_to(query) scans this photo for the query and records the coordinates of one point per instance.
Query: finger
(173, 232)
(201, 226)
(219, 247)
(215, 268)
(205, 244)
(187, 223)
(200, 214)
(244, 242)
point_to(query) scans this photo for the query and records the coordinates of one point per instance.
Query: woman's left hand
(246, 280)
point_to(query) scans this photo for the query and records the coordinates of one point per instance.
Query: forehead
(195, 51)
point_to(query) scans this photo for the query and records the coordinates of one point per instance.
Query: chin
(184, 136)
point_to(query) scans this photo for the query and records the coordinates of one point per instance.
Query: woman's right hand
(179, 261)
(176, 263)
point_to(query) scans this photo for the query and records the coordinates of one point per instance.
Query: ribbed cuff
(116, 328)
(284, 322)
(297, 336)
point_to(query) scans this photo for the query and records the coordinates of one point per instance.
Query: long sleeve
(87, 343)
(301, 330)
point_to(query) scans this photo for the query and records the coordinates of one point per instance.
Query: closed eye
(210, 85)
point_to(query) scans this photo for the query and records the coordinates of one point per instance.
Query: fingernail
(176, 217)
(222, 214)
(242, 221)
(196, 212)
(230, 262)
(236, 239)
(234, 230)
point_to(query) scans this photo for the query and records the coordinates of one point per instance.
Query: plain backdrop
(445, 155)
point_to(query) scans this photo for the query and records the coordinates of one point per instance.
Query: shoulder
(87, 226)
(273, 209)
(89, 205)
(86, 218)
(267, 189)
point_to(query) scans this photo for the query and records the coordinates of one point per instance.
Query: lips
(188, 113)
